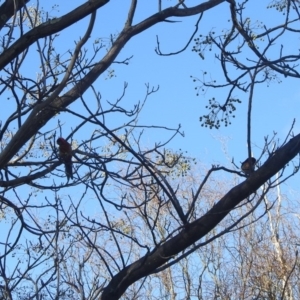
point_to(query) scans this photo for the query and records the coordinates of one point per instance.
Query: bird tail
(69, 170)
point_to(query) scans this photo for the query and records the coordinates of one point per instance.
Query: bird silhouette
(65, 154)
(248, 165)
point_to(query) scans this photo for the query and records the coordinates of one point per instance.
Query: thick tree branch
(8, 9)
(50, 27)
(199, 228)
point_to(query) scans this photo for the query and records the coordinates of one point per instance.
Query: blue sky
(274, 107)
(176, 102)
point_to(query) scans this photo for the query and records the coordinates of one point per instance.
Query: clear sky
(176, 102)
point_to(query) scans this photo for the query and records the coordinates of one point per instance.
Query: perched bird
(65, 154)
(248, 165)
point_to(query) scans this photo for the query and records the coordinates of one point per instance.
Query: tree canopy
(136, 214)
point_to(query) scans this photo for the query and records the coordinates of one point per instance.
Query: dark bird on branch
(65, 154)
(248, 165)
